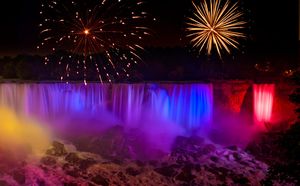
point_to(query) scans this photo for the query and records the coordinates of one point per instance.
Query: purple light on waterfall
(186, 105)
(159, 102)
(127, 102)
(48, 101)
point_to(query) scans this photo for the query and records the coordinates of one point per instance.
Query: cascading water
(127, 102)
(159, 111)
(159, 102)
(187, 105)
(52, 100)
(263, 103)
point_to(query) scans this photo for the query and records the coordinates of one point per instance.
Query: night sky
(273, 25)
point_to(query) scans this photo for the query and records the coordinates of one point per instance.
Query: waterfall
(191, 104)
(187, 105)
(263, 103)
(127, 102)
(52, 100)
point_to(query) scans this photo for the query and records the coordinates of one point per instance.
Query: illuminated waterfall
(127, 100)
(192, 105)
(187, 105)
(263, 102)
(52, 100)
(159, 102)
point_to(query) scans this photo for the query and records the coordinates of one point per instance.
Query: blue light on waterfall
(188, 105)
(192, 105)
(76, 101)
(159, 103)
(165, 103)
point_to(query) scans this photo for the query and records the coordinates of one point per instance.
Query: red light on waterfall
(263, 102)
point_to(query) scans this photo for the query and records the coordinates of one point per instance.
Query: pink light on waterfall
(263, 102)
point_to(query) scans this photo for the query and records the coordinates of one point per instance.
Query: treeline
(159, 64)
(24, 67)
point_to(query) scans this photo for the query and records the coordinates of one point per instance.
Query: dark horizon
(273, 26)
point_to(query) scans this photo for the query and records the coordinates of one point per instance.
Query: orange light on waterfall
(18, 133)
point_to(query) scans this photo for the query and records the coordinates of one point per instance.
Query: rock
(237, 156)
(86, 163)
(140, 163)
(198, 167)
(207, 149)
(231, 157)
(132, 171)
(58, 149)
(180, 142)
(186, 174)
(100, 180)
(48, 160)
(118, 161)
(73, 158)
(111, 143)
(196, 140)
(233, 147)
(121, 176)
(182, 159)
(153, 163)
(73, 172)
(70, 184)
(66, 166)
(244, 163)
(214, 159)
(19, 176)
(192, 162)
(168, 171)
(40, 182)
(240, 179)
(164, 164)
(211, 168)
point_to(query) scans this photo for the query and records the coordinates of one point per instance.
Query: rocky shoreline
(192, 161)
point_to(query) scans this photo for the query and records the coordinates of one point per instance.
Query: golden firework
(216, 24)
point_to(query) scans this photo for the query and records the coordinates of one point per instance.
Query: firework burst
(104, 35)
(216, 25)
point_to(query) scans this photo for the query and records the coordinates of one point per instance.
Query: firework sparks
(215, 25)
(103, 35)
